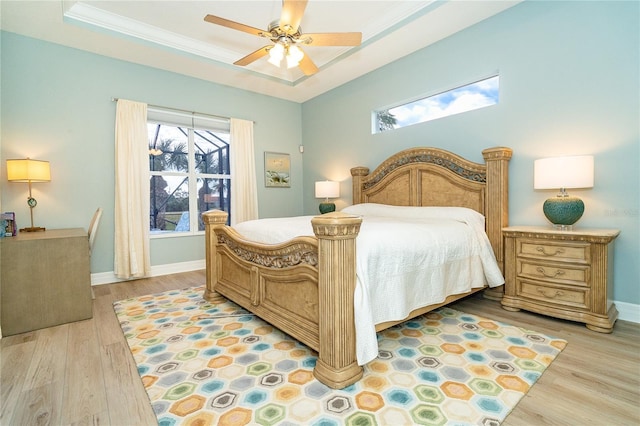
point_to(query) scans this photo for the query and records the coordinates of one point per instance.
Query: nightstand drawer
(548, 271)
(561, 296)
(575, 252)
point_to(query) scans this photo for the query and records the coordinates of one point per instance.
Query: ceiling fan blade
(307, 66)
(253, 56)
(291, 15)
(332, 39)
(234, 25)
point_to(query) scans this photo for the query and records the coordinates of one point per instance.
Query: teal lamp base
(563, 212)
(327, 208)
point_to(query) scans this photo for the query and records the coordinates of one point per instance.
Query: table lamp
(327, 189)
(563, 173)
(28, 170)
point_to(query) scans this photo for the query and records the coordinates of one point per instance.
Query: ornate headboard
(435, 177)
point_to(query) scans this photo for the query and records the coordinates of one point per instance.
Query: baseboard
(157, 270)
(626, 311)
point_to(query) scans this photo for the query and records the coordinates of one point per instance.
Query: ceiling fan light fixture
(275, 61)
(296, 52)
(276, 53)
(291, 62)
(294, 56)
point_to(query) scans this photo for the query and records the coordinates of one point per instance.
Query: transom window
(472, 96)
(189, 168)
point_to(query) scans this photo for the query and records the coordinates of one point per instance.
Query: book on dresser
(8, 224)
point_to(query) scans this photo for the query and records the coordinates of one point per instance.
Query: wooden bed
(305, 286)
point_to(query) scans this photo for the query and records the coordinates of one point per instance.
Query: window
(476, 95)
(189, 168)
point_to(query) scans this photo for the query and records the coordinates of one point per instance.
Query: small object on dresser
(563, 173)
(29, 171)
(326, 190)
(8, 224)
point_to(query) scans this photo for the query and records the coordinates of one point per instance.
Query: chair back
(93, 227)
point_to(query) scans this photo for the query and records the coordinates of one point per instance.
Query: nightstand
(564, 274)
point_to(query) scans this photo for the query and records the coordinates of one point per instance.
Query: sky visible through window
(476, 95)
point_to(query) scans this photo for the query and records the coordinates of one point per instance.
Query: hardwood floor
(83, 373)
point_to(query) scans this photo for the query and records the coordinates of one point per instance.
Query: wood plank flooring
(83, 373)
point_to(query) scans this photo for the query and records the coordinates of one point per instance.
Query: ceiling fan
(287, 37)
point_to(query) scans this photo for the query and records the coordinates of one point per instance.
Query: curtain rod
(182, 110)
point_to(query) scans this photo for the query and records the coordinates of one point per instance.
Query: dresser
(564, 274)
(45, 279)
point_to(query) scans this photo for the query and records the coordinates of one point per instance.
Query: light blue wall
(569, 84)
(56, 106)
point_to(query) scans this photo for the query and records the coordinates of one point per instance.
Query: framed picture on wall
(277, 170)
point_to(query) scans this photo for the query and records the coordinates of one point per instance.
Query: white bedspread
(406, 258)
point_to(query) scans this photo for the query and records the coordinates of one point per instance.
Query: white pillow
(462, 214)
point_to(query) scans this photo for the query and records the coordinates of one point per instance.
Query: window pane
(462, 99)
(212, 194)
(167, 148)
(169, 203)
(212, 152)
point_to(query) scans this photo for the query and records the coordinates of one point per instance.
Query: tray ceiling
(172, 35)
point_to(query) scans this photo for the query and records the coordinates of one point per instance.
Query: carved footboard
(304, 287)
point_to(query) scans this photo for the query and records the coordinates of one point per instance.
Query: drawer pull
(545, 293)
(542, 272)
(555, 253)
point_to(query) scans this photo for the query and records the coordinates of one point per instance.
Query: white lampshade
(327, 189)
(563, 172)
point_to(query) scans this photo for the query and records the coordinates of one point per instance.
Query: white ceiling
(172, 35)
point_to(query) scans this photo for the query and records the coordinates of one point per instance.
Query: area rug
(208, 364)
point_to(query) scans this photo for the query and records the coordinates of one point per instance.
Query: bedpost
(337, 365)
(497, 206)
(212, 219)
(357, 173)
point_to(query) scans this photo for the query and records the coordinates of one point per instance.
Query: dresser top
(550, 231)
(45, 235)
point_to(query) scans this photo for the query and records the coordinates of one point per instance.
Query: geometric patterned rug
(207, 364)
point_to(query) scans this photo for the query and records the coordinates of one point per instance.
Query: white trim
(628, 312)
(92, 15)
(157, 270)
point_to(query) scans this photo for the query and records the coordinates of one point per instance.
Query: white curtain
(244, 192)
(132, 258)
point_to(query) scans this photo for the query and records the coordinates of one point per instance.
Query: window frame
(191, 123)
(375, 114)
